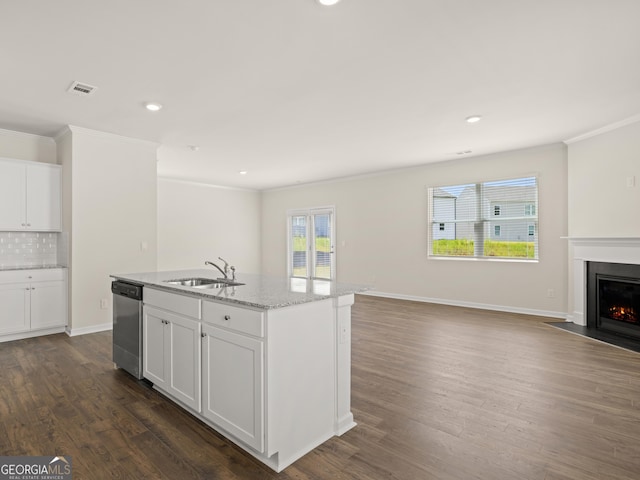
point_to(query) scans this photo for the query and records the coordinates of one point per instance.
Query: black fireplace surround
(613, 298)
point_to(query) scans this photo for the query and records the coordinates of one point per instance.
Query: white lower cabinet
(171, 346)
(15, 301)
(32, 302)
(48, 304)
(233, 384)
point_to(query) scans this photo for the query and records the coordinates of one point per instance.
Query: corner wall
(113, 219)
(601, 204)
(381, 227)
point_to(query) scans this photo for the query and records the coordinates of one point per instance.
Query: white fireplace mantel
(597, 249)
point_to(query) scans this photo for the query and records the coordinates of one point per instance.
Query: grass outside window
(492, 248)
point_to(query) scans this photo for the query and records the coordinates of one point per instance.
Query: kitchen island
(267, 363)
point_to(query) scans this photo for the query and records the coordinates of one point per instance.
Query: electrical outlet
(551, 293)
(631, 182)
(104, 304)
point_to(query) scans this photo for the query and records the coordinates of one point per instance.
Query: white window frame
(484, 220)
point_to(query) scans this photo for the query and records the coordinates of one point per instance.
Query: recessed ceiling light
(473, 118)
(328, 3)
(243, 172)
(152, 106)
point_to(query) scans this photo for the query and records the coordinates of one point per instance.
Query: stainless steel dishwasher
(127, 327)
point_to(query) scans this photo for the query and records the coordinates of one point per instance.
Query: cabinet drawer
(239, 319)
(181, 304)
(44, 275)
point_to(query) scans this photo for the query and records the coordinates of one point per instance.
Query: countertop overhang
(30, 267)
(259, 291)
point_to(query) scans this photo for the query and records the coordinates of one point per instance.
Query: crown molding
(605, 129)
(62, 133)
(16, 133)
(200, 183)
(96, 133)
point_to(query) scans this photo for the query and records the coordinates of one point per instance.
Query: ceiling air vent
(81, 89)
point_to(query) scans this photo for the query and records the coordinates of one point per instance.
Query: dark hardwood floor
(438, 393)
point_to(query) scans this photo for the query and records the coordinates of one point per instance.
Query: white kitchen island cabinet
(171, 349)
(274, 358)
(233, 384)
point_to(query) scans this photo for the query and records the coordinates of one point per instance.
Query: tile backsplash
(19, 249)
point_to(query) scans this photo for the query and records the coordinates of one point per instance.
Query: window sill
(483, 259)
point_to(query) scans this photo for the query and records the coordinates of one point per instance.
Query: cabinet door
(14, 314)
(48, 305)
(233, 392)
(43, 197)
(184, 360)
(12, 196)
(154, 347)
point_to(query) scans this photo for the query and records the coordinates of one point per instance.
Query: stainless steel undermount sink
(200, 282)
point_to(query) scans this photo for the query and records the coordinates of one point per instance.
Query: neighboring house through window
(485, 220)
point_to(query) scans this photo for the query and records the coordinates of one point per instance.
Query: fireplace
(613, 298)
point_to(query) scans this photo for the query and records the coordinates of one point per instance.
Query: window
(529, 210)
(463, 223)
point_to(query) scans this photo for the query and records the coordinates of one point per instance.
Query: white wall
(112, 207)
(198, 222)
(600, 202)
(382, 233)
(25, 146)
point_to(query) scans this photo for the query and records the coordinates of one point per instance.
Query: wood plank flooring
(438, 393)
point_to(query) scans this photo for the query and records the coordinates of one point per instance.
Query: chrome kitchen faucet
(227, 267)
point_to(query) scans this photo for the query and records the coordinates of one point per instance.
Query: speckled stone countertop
(260, 291)
(29, 267)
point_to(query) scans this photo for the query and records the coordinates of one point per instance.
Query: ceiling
(294, 92)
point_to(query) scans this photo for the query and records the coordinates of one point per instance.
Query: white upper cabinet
(43, 210)
(13, 195)
(30, 196)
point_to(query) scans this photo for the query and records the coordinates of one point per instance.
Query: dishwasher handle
(128, 290)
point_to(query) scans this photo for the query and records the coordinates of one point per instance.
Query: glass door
(311, 243)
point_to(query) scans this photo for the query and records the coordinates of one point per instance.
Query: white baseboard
(31, 333)
(481, 306)
(103, 327)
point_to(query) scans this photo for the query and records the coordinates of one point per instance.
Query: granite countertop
(260, 291)
(29, 267)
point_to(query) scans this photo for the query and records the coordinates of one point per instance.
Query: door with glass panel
(311, 241)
